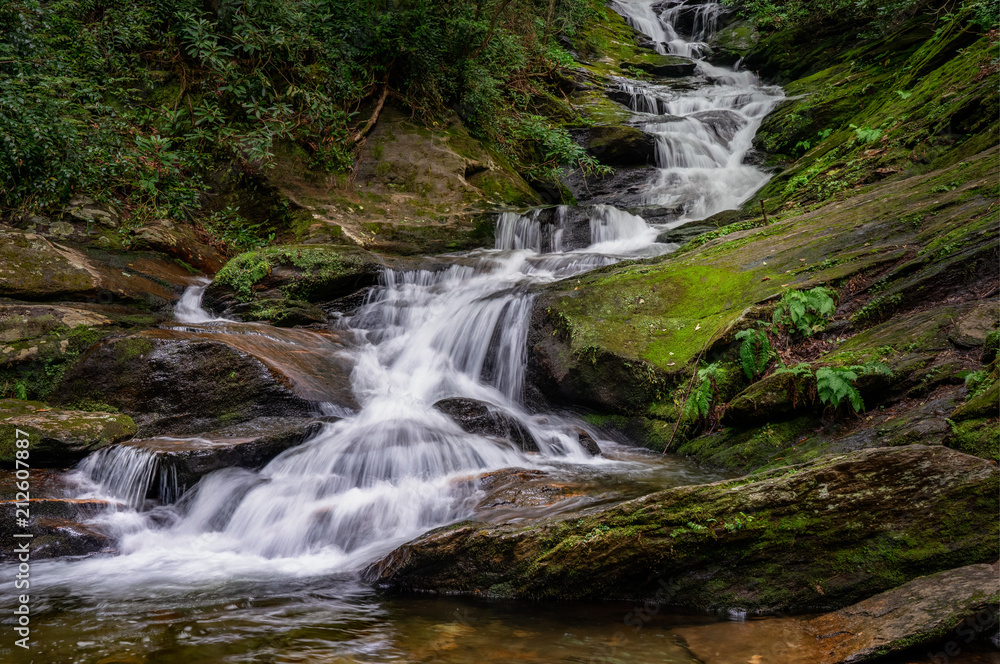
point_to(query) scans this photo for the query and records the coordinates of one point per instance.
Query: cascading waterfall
(704, 135)
(397, 466)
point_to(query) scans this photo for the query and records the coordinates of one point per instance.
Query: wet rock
(34, 268)
(618, 146)
(481, 419)
(55, 521)
(181, 242)
(960, 603)
(310, 273)
(518, 488)
(624, 188)
(588, 443)
(59, 538)
(822, 535)
(58, 438)
(248, 445)
(666, 66)
(178, 384)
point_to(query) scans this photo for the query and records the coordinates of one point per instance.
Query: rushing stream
(260, 566)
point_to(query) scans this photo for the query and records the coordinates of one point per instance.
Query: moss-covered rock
(310, 273)
(733, 42)
(621, 337)
(33, 268)
(822, 535)
(57, 438)
(619, 145)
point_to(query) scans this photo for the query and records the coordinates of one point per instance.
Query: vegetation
(834, 385)
(136, 103)
(805, 312)
(756, 353)
(878, 14)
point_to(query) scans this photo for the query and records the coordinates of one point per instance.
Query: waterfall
(189, 310)
(397, 466)
(703, 135)
(127, 474)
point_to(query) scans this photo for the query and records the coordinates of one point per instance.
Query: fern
(755, 352)
(835, 385)
(699, 404)
(805, 312)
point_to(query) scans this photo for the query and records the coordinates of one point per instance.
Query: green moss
(244, 271)
(772, 445)
(979, 437)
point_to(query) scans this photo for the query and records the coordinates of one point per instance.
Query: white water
(189, 309)
(703, 136)
(398, 467)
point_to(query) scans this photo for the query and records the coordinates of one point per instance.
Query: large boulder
(619, 146)
(820, 535)
(480, 418)
(58, 438)
(177, 382)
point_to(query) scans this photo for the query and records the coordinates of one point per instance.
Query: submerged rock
(820, 535)
(481, 419)
(58, 438)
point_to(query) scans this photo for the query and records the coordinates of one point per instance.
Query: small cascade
(703, 135)
(189, 310)
(130, 475)
(614, 229)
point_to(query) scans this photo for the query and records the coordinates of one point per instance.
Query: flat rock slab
(919, 621)
(820, 535)
(182, 381)
(923, 611)
(58, 438)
